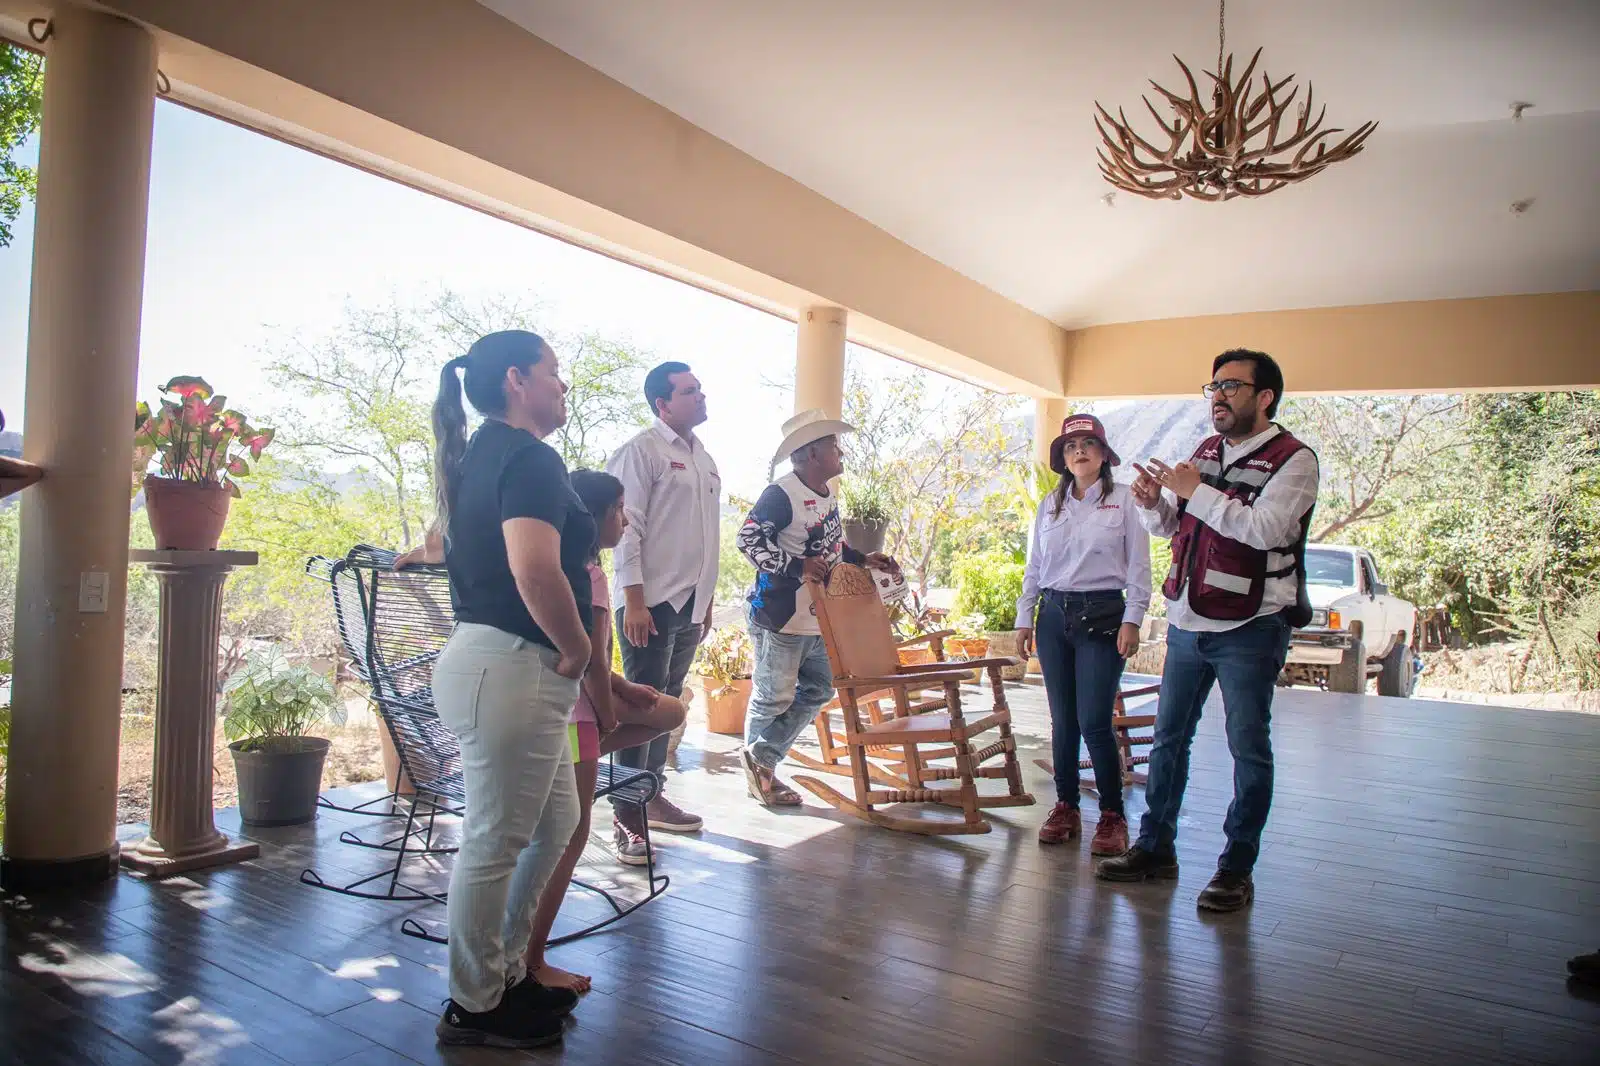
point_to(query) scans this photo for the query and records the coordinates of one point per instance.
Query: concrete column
(183, 832)
(83, 356)
(1048, 414)
(819, 360)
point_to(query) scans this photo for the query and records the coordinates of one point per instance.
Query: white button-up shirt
(672, 495)
(1093, 545)
(1272, 521)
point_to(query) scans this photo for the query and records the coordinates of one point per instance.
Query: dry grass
(354, 757)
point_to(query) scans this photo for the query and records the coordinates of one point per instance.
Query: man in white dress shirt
(666, 566)
(1238, 513)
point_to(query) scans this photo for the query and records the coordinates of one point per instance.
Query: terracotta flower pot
(185, 515)
(915, 656)
(725, 706)
(974, 648)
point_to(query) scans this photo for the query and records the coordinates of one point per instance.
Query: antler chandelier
(1237, 145)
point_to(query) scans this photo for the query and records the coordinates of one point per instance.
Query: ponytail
(483, 379)
(449, 440)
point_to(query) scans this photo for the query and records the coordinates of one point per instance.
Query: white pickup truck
(1358, 630)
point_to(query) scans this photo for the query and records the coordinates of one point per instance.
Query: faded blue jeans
(791, 682)
(500, 694)
(1245, 662)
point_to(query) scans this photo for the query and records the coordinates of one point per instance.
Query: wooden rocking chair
(835, 753)
(1122, 726)
(889, 748)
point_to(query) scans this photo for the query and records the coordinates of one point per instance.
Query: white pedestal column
(183, 834)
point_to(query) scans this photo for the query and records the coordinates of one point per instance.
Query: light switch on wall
(92, 587)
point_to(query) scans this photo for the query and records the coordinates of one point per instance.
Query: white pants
(500, 694)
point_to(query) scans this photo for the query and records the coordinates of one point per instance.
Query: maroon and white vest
(1225, 579)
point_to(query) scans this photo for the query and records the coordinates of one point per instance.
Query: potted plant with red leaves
(201, 446)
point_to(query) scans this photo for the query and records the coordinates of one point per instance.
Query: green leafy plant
(195, 436)
(911, 618)
(726, 656)
(270, 697)
(968, 626)
(988, 584)
(1030, 485)
(867, 500)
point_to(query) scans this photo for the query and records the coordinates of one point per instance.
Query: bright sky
(250, 238)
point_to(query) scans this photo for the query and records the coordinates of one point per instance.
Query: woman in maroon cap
(1088, 578)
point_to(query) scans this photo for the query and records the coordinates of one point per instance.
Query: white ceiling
(964, 128)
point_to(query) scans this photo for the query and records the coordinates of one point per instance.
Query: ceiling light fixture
(1216, 151)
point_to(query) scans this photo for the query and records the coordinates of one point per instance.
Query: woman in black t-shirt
(516, 543)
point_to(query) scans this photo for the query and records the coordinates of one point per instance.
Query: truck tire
(1349, 674)
(1398, 677)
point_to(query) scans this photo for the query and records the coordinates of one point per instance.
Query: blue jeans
(1082, 671)
(1246, 662)
(791, 682)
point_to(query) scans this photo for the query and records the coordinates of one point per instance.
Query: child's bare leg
(544, 918)
(640, 725)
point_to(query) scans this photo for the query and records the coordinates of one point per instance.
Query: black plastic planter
(279, 779)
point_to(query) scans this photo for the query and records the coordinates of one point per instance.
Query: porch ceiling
(965, 130)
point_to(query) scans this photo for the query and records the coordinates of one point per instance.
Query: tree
(1375, 451)
(364, 393)
(21, 105)
(940, 451)
(362, 399)
(604, 376)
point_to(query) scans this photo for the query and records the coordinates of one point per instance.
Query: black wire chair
(349, 611)
(407, 618)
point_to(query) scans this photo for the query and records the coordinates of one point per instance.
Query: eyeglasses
(1229, 388)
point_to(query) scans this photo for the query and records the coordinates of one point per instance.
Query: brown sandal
(765, 787)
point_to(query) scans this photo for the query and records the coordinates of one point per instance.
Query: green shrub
(988, 584)
(866, 500)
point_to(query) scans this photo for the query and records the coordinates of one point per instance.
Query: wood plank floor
(1427, 870)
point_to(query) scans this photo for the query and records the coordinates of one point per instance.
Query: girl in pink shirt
(612, 713)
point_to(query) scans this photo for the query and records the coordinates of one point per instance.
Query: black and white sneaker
(509, 1024)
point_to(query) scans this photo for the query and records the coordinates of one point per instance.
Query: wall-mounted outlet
(93, 587)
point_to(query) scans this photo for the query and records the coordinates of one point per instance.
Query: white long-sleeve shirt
(1093, 545)
(672, 496)
(1272, 521)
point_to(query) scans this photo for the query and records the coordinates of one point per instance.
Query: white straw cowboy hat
(807, 427)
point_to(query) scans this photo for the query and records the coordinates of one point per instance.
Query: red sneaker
(1110, 836)
(1063, 824)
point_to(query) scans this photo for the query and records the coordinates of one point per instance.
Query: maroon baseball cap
(1079, 426)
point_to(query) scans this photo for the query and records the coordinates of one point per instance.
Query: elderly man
(666, 570)
(793, 536)
(1238, 514)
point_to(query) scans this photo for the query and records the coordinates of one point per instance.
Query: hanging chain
(1222, 32)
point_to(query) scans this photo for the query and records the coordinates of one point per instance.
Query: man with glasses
(1238, 513)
